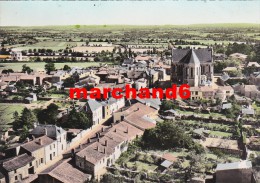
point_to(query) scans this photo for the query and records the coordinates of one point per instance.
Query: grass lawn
(40, 65)
(220, 134)
(6, 112)
(61, 96)
(257, 108)
(142, 166)
(62, 105)
(214, 115)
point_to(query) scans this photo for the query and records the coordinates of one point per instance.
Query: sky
(175, 12)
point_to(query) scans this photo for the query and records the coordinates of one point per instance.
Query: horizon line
(104, 25)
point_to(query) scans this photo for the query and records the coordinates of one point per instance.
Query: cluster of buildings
(49, 144)
(53, 154)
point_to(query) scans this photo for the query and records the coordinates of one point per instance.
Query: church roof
(190, 58)
(204, 55)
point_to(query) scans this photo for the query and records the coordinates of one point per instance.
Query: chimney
(72, 151)
(115, 130)
(97, 135)
(27, 139)
(85, 157)
(105, 142)
(126, 129)
(102, 130)
(45, 131)
(98, 139)
(40, 141)
(88, 140)
(97, 148)
(33, 137)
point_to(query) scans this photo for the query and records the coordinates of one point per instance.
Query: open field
(91, 49)
(40, 65)
(54, 45)
(6, 112)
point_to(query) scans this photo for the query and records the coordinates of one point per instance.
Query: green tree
(27, 119)
(66, 68)
(50, 67)
(48, 115)
(16, 122)
(26, 69)
(6, 71)
(24, 133)
(168, 135)
(69, 82)
(77, 120)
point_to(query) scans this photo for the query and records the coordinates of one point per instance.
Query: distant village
(211, 137)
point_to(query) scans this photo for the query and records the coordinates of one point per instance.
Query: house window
(53, 145)
(15, 171)
(15, 177)
(196, 93)
(31, 164)
(53, 154)
(50, 147)
(41, 160)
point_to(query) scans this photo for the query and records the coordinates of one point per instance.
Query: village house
(94, 110)
(63, 171)
(209, 92)
(152, 77)
(54, 132)
(139, 115)
(17, 168)
(115, 78)
(43, 149)
(237, 172)
(249, 91)
(254, 79)
(253, 64)
(219, 56)
(33, 78)
(140, 83)
(106, 149)
(58, 76)
(239, 56)
(17, 55)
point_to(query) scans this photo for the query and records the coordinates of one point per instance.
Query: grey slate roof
(204, 54)
(166, 163)
(17, 162)
(53, 131)
(190, 58)
(93, 104)
(154, 103)
(237, 165)
(226, 106)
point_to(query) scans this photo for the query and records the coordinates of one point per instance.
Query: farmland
(40, 65)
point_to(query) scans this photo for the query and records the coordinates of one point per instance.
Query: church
(192, 66)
